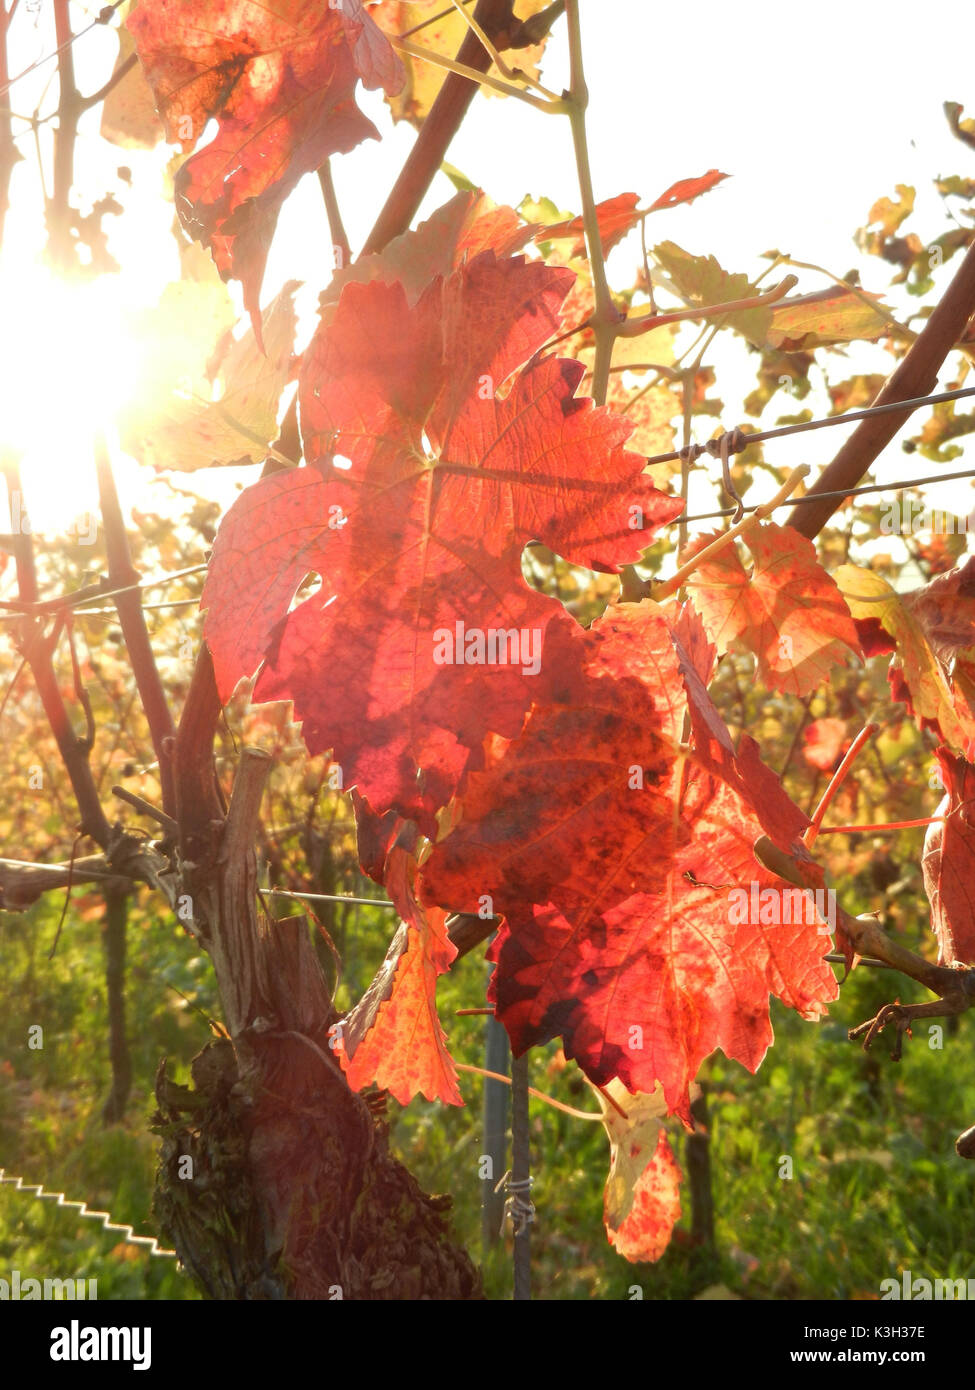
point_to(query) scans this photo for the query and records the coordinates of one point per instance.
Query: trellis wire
(146, 608)
(698, 516)
(326, 898)
(104, 1218)
(842, 492)
(694, 451)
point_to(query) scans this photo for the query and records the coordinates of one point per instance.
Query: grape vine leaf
(460, 230)
(375, 836)
(948, 862)
(128, 112)
(279, 78)
(425, 485)
(650, 411)
(964, 129)
(641, 1203)
(921, 629)
(741, 767)
(826, 318)
(616, 217)
(824, 742)
(786, 609)
(945, 608)
(700, 280)
(236, 420)
(639, 925)
(393, 1035)
(443, 33)
(686, 190)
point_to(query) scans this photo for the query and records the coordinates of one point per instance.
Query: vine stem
(336, 228)
(539, 1095)
(509, 74)
(645, 323)
(671, 585)
(891, 825)
(837, 780)
(8, 149)
(60, 242)
(916, 375)
(606, 319)
(122, 576)
(483, 79)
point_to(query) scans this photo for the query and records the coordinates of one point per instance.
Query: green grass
(876, 1186)
(50, 1097)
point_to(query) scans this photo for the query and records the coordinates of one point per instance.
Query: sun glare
(68, 362)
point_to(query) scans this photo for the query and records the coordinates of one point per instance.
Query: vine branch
(606, 318)
(438, 130)
(123, 574)
(915, 376)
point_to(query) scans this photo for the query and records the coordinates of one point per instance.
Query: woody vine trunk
(290, 1190)
(295, 1194)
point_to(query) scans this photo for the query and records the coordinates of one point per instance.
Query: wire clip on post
(518, 1204)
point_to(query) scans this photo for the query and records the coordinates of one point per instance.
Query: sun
(69, 360)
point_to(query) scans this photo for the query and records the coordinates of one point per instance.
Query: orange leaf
(393, 1035)
(684, 190)
(616, 217)
(787, 609)
(825, 741)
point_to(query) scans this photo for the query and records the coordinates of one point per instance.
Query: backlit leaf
(279, 78)
(425, 487)
(393, 1035)
(641, 1205)
(785, 608)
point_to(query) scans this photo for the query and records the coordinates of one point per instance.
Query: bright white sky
(815, 111)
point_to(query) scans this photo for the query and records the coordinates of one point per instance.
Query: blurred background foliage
(875, 1183)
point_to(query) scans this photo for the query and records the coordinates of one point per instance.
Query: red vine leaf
(128, 112)
(617, 216)
(424, 636)
(741, 767)
(626, 874)
(457, 232)
(786, 608)
(685, 190)
(945, 608)
(280, 81)
(393, 1035)
(949, 863)
(374, 836)
(824, 742)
